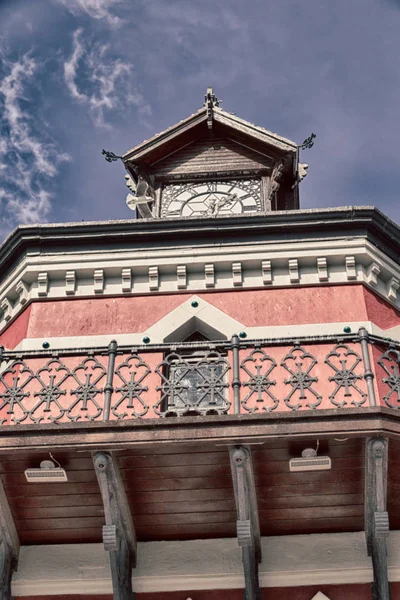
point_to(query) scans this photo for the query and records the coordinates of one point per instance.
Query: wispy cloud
(100, 81)
(29, 159)
(97, 9)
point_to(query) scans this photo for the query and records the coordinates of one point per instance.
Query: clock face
(211, 198)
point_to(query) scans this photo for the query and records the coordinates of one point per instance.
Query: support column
(119, 536)
(248, 527)
(376, 516)
(9, 546)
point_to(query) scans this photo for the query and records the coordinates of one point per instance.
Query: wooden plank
(36, 502)
(303, 526)
(60, 536)
(22, 513)
(51, 489)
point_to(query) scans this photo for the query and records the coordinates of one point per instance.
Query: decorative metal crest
(131, 373)
(308, 142)
(390, 362)
(110, 156)
(299, 363)
(192, 385)
(258, 366)
(343, 360)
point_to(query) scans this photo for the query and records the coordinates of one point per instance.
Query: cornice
(282, 249)
(99, 233)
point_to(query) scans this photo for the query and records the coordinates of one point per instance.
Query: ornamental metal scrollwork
(14, 381)
(299, 363)
(192, 384)
(50, 377)
(343, 360)
(258, 365)
(390, 363)
(132, 372)
(88, 374)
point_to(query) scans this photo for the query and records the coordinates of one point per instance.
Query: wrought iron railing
(201, 378)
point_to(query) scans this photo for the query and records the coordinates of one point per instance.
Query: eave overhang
(364, 221)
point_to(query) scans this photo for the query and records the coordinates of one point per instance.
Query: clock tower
(213, 164)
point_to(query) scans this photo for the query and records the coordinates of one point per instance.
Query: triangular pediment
(320, 596)
(195, 314)
(212, 154)
(197, 126)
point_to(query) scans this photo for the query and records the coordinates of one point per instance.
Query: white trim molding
(195, 314)
(210, 321)
(242, 266)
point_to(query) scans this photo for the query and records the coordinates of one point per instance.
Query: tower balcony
(240, 379)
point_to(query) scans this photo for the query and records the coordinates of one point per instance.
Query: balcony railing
(202, 378)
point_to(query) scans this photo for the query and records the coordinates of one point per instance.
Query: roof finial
(210, 102)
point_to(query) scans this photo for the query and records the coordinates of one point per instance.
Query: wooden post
(9, 546)
(119, 536)
(248, 528)
(376, 516)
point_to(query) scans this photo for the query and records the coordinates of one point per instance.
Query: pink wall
(266, 307)
(379, 311)
(17, 331)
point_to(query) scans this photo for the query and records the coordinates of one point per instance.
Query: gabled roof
(218, 115)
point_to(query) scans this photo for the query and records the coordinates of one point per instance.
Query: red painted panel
(251, 307)
(292, 306)
(100, 315)
(17, 331)
(379, 311)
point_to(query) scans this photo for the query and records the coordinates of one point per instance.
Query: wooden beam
(9, 546)
(218, 429)
(376, 516)
(248, 527)
(119, 536)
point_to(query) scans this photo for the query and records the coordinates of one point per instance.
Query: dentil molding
(252, 266)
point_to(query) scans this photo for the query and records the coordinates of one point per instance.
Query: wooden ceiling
(185, 492)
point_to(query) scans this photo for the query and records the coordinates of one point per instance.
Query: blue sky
(77, 76)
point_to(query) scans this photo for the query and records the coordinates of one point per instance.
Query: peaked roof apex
(218, 115)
